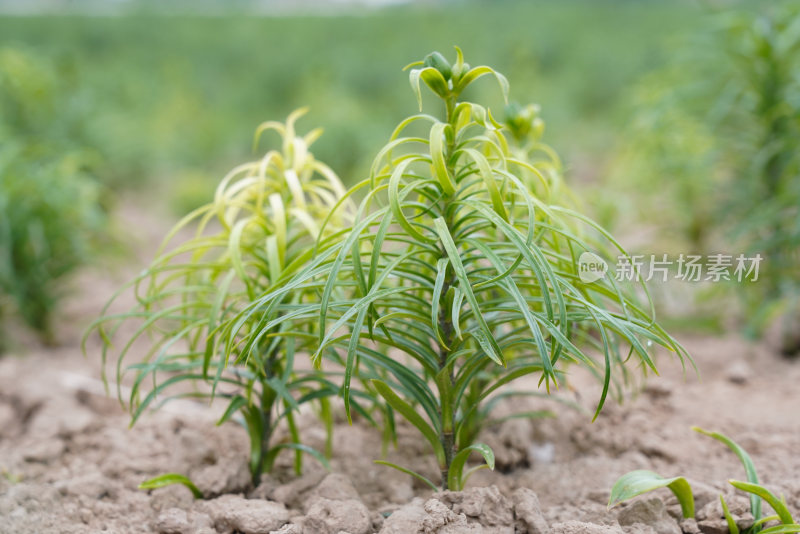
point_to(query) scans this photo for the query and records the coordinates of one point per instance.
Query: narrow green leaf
(476, 72)
(441, 271)
(733, 528)
(438, 158)
(747, 462)
(782, 529)
(765, 519)
(486, 173)
(237, 403)
(352, 359)
(455, 479)
(777, 504)
(405, 409)
(413, 77)
(395, 200)
(300, 447)
(484, 335)
(169, 479)
(414, 474)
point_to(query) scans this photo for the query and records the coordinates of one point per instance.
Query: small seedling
(639, 482)
(260, 228)
(460, 274)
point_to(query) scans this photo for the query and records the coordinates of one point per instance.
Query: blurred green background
(170, 98)
(103, 99)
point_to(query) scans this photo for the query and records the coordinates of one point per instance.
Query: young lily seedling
(461, 273)
(260, 228)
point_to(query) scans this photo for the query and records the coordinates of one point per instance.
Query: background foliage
(718, 131)
(182, 99)
(163, 103)
(51, 203)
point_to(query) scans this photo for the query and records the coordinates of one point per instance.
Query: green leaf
(405, 409)
(455, 480)
(396, 198)
(441, 271)
(747, 462)
(484, 335)
(413, 77)
(352, 359)
(733, 528)
(255, 431)
(270, 456)
(489, 181)
(476, 72)
(765, 519)
(435, 81)
(169, 479)
(237, 403)
(437, 150)
(414, 474)
(782, 529)
(777, 504)
(638, 482)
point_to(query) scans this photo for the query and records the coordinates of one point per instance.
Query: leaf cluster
(261, 227)
(460, 274)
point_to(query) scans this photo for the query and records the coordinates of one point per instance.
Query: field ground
(69, 463)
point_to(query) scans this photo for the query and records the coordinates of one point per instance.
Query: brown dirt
(70, 464)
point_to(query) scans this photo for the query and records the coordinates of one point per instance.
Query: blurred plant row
(716, 134)
(707, 156)
(52, 205)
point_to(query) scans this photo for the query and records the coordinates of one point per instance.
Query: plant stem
(444, 383)
(445, 379)
(266, 402)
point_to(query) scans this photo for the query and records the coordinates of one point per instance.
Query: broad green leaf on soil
(642, 481)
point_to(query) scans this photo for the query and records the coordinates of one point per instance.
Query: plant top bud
(438, 62)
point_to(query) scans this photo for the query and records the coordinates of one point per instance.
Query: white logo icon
(591, 267)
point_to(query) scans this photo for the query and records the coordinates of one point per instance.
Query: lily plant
(459, 274)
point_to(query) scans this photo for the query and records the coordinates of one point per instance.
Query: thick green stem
(445, 380)
(262, 445)
(450, 106)
(444, 383)
(259, 443)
